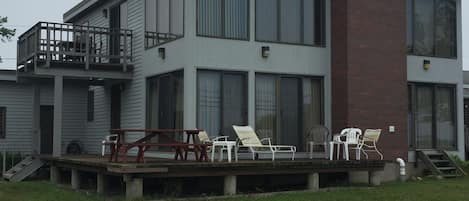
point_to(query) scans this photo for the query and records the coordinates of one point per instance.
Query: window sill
(286, 43)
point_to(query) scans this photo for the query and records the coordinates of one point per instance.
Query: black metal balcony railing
(50, 43)
(153, 39)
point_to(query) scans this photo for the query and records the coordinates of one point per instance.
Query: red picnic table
(144, 143)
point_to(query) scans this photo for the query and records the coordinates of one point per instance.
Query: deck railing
(47, 42)
(153, 39)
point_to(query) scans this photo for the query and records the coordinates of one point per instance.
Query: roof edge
(78, 9)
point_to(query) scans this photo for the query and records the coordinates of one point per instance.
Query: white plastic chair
(221, 142)
(368, 142)
(109, 139)
(351, 138)
(249, 139)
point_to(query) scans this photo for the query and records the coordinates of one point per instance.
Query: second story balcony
(75, 50)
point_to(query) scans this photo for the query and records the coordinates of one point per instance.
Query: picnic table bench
(143, 144)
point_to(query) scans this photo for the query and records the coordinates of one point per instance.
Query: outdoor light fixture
(105, 13)
(426, 64)
(162, 52)
(265, 51)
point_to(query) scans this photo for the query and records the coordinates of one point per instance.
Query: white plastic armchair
(349, 137)
(248, 138)
(108, 139)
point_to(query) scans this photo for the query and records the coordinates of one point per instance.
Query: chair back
(318, 134)
(352, 135)
(203, 137)
(247, 136)
(111, 138)
(371, 135)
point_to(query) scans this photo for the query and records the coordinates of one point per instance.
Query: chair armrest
(219, 138)
(268, 140)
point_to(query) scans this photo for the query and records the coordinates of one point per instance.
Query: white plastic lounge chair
(369, 140)
(249, 139)
(352, 137)
(221, 142)
(109, 139)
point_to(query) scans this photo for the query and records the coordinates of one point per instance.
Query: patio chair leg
(311, 146)
(338, 151)
(346, 152)
(273, 156)
(213, 154)
(331, 150)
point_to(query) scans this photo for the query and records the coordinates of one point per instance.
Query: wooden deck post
(313, 181)
(58, 105)
(101, 183)
(54, 174)
(133, 187)
(75, 180)
(374, 177)
(230, 185)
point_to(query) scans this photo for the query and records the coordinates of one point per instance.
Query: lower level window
(287, 107)
(3, 122)
(432, 116)
(221, 101)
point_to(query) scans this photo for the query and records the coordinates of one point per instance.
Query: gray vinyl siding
(17, 98)
(99, 127)
(133, 95)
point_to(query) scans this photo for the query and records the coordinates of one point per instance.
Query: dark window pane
(424, 28)
(445, 28)
(290, 21)
(410, 25)
(236, 19)
(266, 106)
(209, 17)
(3, 122)
(234, 103)
(424, 117)
(209, 102)
(445, 112)
(309, 22)
(266, 20)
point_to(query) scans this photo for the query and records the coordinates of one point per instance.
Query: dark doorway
(290, 112)
(47, 128)
(116, 106)
(114, 40)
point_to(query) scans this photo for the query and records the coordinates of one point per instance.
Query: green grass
(426, 190)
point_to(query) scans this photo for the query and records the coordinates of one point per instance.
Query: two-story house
(280, 66)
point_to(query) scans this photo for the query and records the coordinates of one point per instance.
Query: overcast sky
(22, 14)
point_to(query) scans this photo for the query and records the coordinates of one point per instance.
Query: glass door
(290, 112)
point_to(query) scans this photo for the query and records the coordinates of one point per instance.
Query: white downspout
(402, 169)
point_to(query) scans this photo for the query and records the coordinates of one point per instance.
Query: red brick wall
(369, 79)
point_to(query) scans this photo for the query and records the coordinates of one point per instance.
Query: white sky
(22, 14)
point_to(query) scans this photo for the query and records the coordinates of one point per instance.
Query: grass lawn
(427, 190)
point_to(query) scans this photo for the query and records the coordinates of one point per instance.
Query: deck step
(22, 170)
(440, 164)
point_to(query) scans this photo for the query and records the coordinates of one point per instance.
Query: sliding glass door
(165, 101)
(287, 107)
(221, 101)
(432, 116)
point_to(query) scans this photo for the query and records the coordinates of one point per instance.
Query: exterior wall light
(105, 13)
(426, 64)
(265, 51)
(162, 52)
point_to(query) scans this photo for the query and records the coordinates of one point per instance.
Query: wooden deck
(157, 167)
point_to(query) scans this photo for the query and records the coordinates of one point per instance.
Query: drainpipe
(401, 168)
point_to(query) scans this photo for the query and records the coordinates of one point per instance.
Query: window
(221, 101)
(3, 122)
(164, 21)
(291, 21)
(286, 106)
(432, 116)
(223, 19)
(431, 28)
(90, 109)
